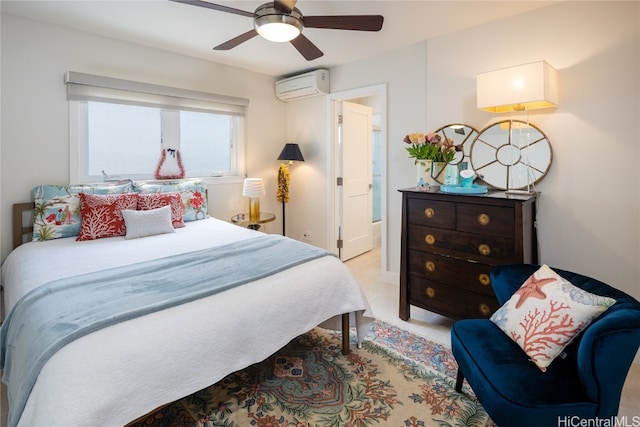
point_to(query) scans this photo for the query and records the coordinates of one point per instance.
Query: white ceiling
(193, 31)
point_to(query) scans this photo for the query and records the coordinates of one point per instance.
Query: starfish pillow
(546, 314)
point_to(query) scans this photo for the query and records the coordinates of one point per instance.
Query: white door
(356, 136)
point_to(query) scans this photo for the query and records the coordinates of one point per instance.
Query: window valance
(89, 87)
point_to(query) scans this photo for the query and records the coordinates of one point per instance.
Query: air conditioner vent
(305, 85)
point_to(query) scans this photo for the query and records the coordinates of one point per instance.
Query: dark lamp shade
(291, 152)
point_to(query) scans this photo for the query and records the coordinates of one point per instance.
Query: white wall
(589, 211)
(35, 135)
(307, 125)
(588, 216)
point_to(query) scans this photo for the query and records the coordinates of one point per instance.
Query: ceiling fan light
(276, 26)
(277, 31)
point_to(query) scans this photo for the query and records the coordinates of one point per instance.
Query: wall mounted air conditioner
(304, 85)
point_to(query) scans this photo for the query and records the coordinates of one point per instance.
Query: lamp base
(254, 209)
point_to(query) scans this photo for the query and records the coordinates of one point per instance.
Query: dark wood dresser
(450, 244)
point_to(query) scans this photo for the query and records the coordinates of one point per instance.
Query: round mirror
(461, 135)
(511, 154)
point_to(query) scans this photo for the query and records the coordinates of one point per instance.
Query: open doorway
(375, 98)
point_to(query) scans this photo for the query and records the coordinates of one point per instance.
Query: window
(122, 133)
(126, 140)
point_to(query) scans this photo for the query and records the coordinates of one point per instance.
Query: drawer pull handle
(484, 279)
(484, 309)
(484, 249)
(484, 219)
(431, 292)
(429, 212)
(430, 266)
(429, 239)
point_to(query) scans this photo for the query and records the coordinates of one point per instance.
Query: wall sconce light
(522, 87)
(290, 153)
(253, 188)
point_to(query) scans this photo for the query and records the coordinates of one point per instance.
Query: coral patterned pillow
(57, 208)
(148, 201)
(101, 215)
(547, 313)
(192, 191)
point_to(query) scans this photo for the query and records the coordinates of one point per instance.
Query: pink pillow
(148, 201)
(101, 215)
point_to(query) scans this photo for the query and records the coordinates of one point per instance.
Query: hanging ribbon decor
(283, 184)
(170, 165)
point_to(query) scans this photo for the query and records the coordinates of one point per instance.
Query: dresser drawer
(432, 213)
(471, 276)
(450, 301)
(467, 246)
(483, 219)
(450, 243)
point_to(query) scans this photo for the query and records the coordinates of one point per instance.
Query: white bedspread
(115, 375)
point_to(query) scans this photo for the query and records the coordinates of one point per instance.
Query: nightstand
(243, 219)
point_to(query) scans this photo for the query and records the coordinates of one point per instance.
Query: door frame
(333, 164)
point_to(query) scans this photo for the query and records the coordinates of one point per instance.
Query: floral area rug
(396, 379)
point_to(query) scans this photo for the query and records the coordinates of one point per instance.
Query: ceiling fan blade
(214, 6)
(347, 22)
(230, 44)
(307, 49)
(285, 6)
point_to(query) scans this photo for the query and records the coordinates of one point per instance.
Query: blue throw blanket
(53, 315)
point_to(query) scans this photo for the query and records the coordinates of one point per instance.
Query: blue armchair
(587, 383)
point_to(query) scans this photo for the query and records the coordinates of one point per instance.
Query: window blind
(89, 87)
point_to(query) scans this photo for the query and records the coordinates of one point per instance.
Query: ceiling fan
(281, 21)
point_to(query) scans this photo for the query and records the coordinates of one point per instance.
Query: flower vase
(424, 178)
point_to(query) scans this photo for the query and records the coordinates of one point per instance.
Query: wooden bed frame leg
(345, 333)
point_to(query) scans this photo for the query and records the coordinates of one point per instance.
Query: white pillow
(147, 223)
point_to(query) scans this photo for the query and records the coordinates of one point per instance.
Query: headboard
(22, 223)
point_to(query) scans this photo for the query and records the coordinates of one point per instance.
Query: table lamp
(515, 89)
(253, 188)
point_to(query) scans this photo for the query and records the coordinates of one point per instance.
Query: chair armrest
(605, 354)
(506, 279)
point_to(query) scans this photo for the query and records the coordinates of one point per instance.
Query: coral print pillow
(57, 207)
(546, 314)
(192, 191)
(157, 200)
(102, 214)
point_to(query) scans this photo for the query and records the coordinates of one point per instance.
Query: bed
(127, 368)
